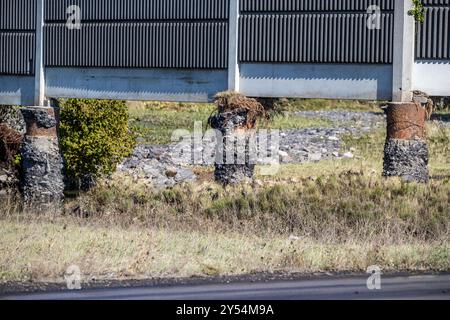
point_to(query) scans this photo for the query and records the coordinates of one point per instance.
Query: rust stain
(34, 130)
(406, 121)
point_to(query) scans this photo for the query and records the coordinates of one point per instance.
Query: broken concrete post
(228, 170)
(235, 119)
(406, 150)
(42, 164)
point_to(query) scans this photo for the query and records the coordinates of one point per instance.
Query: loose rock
(154, 165)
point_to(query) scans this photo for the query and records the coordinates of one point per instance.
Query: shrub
(10, 141)
(10, 137)
(94, 137)
(418, 11)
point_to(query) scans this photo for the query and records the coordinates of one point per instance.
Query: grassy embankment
(326, 216)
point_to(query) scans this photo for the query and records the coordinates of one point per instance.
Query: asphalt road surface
(398, 287)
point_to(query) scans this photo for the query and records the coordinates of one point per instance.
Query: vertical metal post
(233, 45)
(403, 60)
(39, 78)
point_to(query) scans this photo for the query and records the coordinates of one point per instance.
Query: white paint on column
(403, 60)
(39, 84)
(233, 62)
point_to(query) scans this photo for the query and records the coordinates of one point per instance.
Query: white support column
(39, 82)
(233, 45)
(403, 60)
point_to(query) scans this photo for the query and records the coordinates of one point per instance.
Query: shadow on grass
(444, 117)
(440, 177)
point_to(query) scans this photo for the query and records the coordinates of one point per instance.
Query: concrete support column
(406, 150)
(42, 164)
(233, 46)
(403, 59)
(39, 77)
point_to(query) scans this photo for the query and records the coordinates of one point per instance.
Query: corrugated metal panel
(100, 10)
(146, 45)
(17, 14)
(433, 35)
(436, 2)
(313, 5)
(17, 38)
(139, 34)
(315, 38)
(17, 53)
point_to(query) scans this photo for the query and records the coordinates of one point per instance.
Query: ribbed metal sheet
(17, 53)
(147, 45)
(17, 14)
(100, 10)
(313, 5)
(433, 35)
(315, 38)
(436, 2)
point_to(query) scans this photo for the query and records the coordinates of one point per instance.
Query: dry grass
(337, 208)
(154, 122)
(336, 223)
(330, 216)
(326, 104)
(42, 251)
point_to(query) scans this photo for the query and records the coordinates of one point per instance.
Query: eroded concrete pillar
(235, 150)
(233, 163)
(406, 150)
(42, 164)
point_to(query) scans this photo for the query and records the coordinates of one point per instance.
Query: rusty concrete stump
(234, 122)
(406, 150)
(42, 165)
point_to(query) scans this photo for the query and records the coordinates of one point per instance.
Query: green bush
(418, 11)
(94, 137)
